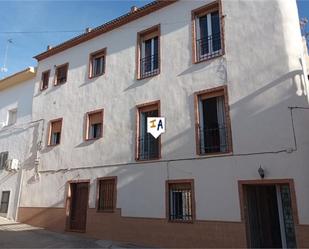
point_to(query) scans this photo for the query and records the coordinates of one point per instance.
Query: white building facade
(228, 76)
(17, 132)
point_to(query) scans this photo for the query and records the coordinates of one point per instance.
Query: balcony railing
(208, 47)
(149, 66)
(148, 148)
(214, 140)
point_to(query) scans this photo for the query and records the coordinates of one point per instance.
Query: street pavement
(18, 235)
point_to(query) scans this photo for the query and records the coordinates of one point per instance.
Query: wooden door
(79, 206)
(263, 217)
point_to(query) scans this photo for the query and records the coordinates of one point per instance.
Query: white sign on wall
(155, 126)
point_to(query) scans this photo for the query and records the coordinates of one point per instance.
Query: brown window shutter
(56, 126)
(96, 118)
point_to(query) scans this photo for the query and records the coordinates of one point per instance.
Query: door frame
(68, 205)
(242, 200)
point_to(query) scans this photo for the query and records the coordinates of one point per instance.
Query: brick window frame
(50, 131)
(149, 106)
(57, 68)
(45, 77)
(113, 193)
(87, 124)
(94, 55)
(141, 36)
(205, 94)
(216, 5)
(184, 182)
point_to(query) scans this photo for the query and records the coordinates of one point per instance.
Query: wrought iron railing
(148, 147)
(208, 47)
(214, 139)
(149, 66)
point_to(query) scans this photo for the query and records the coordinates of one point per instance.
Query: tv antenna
(4, 69)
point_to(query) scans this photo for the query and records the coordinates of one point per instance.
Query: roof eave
(115, 23)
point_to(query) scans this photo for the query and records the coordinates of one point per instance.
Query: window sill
(95, 76)
(148, 160)
(181, 221)
(92, 139)
(43, 89)
(53, 145)
(209, 59)
(148, 76)
(216, 154)
(59, 84)
(106, 211)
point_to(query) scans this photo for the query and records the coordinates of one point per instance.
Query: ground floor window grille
(107, 194)
(180, 202)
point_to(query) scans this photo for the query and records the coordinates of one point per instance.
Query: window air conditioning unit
(12, 165)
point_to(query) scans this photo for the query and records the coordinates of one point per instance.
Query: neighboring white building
(16, 137)
(228, 76)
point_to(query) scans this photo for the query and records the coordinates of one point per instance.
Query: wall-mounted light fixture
(261, 172)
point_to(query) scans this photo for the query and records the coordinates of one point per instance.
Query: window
(61, 74)
(5, 197)
(3, 159)
(97, 63)
(55, 132)
(45, 80)
(207, 32)
(147, 146)
(180, 200)
(149, 52)
(213, 124)
(94, 125)
(12, 116)
(107, 189)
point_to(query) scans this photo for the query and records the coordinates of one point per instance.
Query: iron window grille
(208, 36)
(107, 195)
(148, 145)
(149, 66)
(180, 202)
(212, 128)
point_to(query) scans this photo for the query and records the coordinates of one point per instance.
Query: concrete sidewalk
(18, 235)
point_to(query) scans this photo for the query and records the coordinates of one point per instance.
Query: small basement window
(61, 74)
(94, 125)
(55, 132)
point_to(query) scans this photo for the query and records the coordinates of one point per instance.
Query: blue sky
(69, 15)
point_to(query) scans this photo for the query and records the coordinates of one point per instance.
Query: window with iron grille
(180, 201)
(61, 74)
(207, 32)
(97, 63)
(148, 146)
(107, 194)
(149, 50)
(55, 132)
(213, 125)
(45, 80)
(94, 125)
(3, 159)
